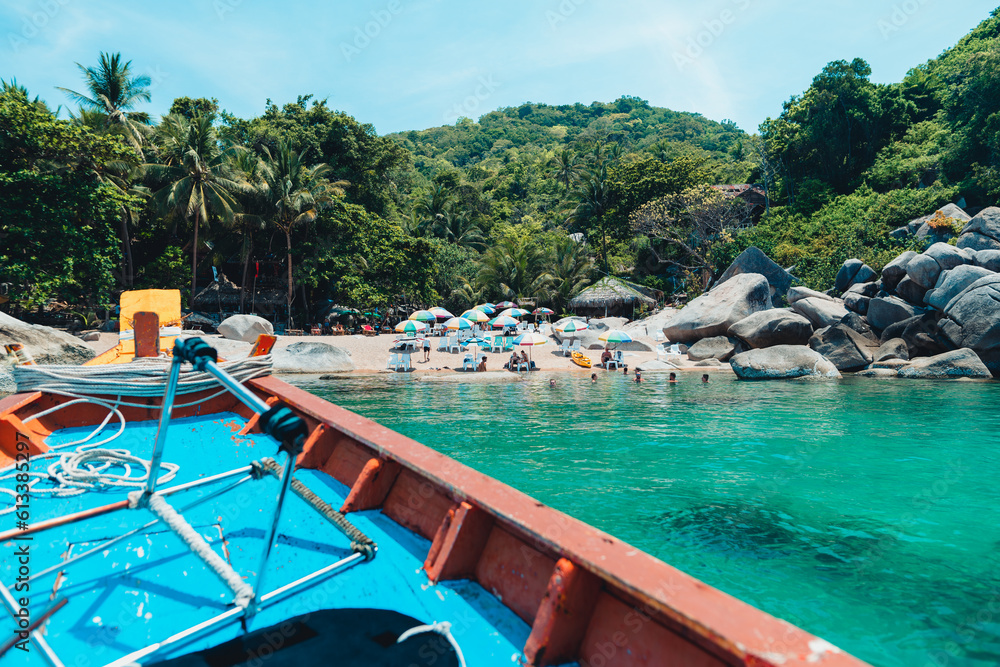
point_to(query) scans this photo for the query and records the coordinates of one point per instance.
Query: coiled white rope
(444, 629)
(197, 544)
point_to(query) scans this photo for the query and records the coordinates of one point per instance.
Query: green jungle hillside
(305, 206)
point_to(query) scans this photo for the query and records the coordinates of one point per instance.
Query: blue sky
(412, 64)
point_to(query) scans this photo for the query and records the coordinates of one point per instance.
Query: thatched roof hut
(613, 295)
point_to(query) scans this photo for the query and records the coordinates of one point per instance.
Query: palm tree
(198, 176)
(569, 271)
(296, 192)
(114, 92)
(434, 206)
(249, 169)
(593, 203)
(565, 168)
(459, 228)
(510, 270)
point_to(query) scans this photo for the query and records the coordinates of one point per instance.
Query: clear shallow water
(863, 511)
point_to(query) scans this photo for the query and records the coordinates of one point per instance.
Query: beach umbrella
(458, 323)
(515, 312)
(486, 308)
(506, 304)
(572, 326)
(543, 311)
(476, 340)
(615, 336)
(530, 340)
(503, 321)
(423, 316)
(475, 315)
(441, 313)
(410, 326)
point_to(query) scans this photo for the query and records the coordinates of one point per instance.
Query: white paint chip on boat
(96, 620)
(440, 594)
(140, 552)
(818, 647)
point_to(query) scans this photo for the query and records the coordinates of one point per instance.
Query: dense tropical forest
(534, 201)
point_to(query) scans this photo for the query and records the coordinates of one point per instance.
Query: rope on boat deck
(177, 523)
(360, 543)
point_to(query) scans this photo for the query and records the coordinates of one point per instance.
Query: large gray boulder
(309, 357)
(894, 348)
(767, 328)
(895, 270)
(843, 347)
(716, 347)
(923, 335)
(819, 312)
(853, 272)
(989, 259)
(655, 366)
(883, 311)
(910, 292)
(947, 256)
(753, 260)
(962, 363)
(45, 344)
(923, 270)
(951, 283)
(712, 313)
(983, 231)
(973, 319)
(245, 328)
(799, 292)
(857, 303)
(783, 362)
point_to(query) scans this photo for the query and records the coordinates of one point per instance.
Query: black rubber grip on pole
(196, 351)
(286, 427)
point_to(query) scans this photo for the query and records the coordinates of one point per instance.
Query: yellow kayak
(581, 360)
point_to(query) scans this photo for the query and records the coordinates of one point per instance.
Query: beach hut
(613, 296)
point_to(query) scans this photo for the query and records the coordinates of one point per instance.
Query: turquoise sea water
(864, 511)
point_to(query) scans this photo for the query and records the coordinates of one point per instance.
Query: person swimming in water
(638, 377)
(593, 378)
(673, 378)
(704, 378)
(552, 383)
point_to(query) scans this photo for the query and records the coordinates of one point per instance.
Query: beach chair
(453, 345)
(658, 336)
(565, 347)
(523, 366)
(496, 344)
(575, 347)
(393, 362)
(468, 362)
(404, 362)
(368, 330)
(443, 344)
(508, 344)
(661, 352)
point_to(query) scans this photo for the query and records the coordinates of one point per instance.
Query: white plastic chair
(442, 344)
(496, 344)
(575, 347)
(661, 352)
(453, 345)
(468, 362)
(658, 336)
(393, 362)
(404, 362)
(523, 366)
(565, 347)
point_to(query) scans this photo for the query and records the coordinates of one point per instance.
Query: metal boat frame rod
(233, 613)
(114, 507)
(166, 408)
(115, 540)
(36, 636)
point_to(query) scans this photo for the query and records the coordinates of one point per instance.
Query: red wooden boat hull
(587, 596)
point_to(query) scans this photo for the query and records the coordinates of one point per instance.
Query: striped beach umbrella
(474, 315)
(572, 326)
(441, 313)
(543, 311)
(487, 308)
(458, 324)
(411, 326)
(423, 316)
(506, 304)
(515, 312)
(530, 340)
(503, 321)
(615, 336)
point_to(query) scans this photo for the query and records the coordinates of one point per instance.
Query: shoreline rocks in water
(783, 362)
(712, 313)
(46, 345)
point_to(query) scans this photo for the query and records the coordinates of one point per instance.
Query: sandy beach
(370, 354)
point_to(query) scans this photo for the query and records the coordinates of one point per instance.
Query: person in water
(625, 369)
(704, 378)
(638, 377)
(593, 378)
(552, 383)
(673, 378)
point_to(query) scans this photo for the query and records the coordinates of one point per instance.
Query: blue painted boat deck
(150, 586)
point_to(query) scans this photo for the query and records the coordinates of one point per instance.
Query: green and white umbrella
(423, 316)
(530, 340)
(487, 308)
(441, 313)
(458, 324)
(503, 321)
(572, 326)
(475, 315)
(411, 326)
(615, 336)
(515, 312)
(543, 311)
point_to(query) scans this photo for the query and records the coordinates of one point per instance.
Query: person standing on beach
(427, 350)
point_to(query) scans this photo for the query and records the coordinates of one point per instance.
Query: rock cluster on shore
(933, 314)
